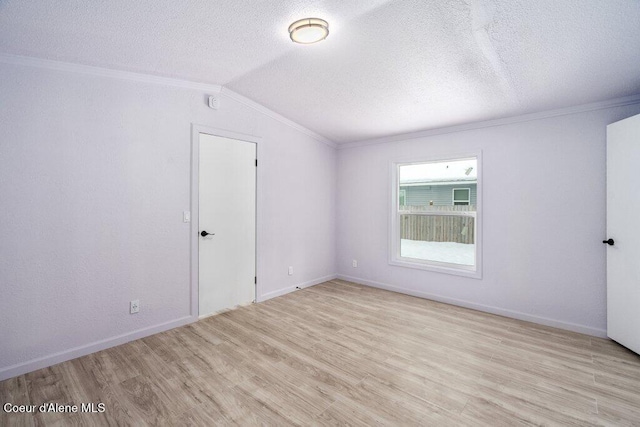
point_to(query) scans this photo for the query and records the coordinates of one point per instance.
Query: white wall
(544, 219)
(94, 177)
(95, 174)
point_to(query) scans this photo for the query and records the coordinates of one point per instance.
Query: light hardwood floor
(340, 353)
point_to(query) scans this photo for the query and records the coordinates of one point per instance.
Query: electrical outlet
(354, 263)
(134, 306)
(290, 271)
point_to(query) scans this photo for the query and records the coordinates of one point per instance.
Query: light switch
(186, 216)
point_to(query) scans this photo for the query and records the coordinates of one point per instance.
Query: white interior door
(623, 208)
(227, 211)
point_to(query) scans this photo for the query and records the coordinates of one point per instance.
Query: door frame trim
(196, 130)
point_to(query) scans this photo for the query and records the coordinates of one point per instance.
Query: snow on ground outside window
(451, 252)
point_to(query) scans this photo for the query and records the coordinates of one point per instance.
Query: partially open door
(623, 232)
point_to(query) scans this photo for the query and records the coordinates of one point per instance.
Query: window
(442, 234)
(461, 196)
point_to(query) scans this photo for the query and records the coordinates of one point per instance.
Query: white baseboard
(602, 333)
(303, 285)
(52, 359)
(63, 356)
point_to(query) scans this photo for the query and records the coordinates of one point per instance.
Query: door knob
(205, 234)
(609, 242)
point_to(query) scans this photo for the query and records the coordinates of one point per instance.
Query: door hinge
(256, 162)
(255, 280)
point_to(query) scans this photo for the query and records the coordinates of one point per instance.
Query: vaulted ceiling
(387, 67)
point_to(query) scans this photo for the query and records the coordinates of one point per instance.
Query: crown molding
(616, 102)
(106, 72)
(270, 113)
(49, 64)
(213, 88)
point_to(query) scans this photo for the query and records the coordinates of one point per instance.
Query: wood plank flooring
(344, 354)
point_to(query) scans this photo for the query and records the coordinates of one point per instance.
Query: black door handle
(205, 234)
(608, 242)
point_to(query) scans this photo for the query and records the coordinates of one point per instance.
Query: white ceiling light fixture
(309, 30)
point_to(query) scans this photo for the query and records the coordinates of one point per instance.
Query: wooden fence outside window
(433, 224)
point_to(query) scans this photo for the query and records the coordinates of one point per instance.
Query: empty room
(319, 213)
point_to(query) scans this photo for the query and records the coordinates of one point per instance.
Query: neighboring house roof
(447, 181)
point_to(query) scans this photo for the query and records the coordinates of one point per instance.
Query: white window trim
(453, 196)
(394, 223)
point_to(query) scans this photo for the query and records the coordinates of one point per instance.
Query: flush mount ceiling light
(309, 30)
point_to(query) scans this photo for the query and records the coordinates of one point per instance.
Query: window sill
(438, 267)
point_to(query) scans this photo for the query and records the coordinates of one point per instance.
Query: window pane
(441, 238)
(434, 184)
(461, 194)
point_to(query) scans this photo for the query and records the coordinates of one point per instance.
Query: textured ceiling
(388, 67)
